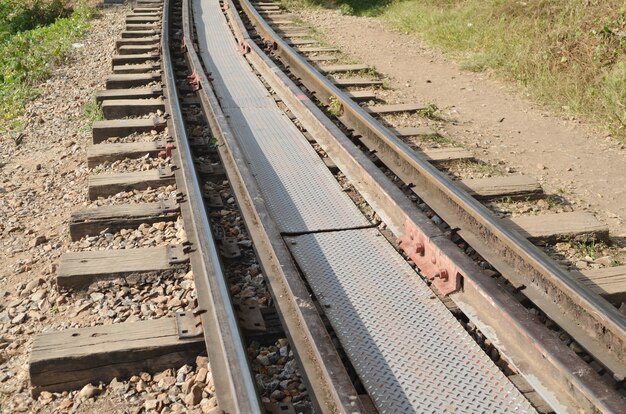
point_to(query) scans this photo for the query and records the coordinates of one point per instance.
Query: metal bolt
(168, 150)
(442, 274)
(419, 248)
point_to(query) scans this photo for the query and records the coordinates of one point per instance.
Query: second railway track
(297, 261)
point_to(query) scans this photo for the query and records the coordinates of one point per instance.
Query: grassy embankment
(568, 54)
(35, 36)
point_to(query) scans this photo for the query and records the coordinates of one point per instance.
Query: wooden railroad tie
(359, 96)
(153, 9)
(298, 42)
(317, 49)
(514, 186)
(133, 93)
(609, 282)
(143, 26)
(80, 269)
(121, 108)
(322, 58)
(550, 228)
(129, 34)
(413, 131)
(112, 218)
(69, 359)
(390, 109)
(137, 49)
(139, 68)
(101, 130)
(342, 83)
(130, 80)
(104, 185)
(118, 60)
(97, 154)
(138, 41)
(343, 68)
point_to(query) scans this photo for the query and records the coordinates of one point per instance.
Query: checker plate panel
(411, 354)
(301, 193)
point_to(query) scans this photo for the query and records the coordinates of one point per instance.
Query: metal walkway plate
(409, 351)
(411, 354)
(301, 193)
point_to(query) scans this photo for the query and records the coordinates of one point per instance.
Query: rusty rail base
(591, 320)
(570, 383)
(234, 382)
(323, 371)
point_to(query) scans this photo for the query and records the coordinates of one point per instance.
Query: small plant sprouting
(554, 201)
(335, 108)
(430, 111)
(93, 112)
(591, 249)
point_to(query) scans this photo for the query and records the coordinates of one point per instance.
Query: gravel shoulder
(43, 178)
(495, 121)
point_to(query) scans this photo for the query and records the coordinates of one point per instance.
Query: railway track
(261, 178)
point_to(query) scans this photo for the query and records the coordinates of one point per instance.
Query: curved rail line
(563, 379)
(225, 347)
(556, 372)
(324, 372)
(597, 325)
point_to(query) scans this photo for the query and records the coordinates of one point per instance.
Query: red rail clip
(432, 262)
(194, 81)
(244, 47)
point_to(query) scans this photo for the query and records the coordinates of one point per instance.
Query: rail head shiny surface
(330, 387)
(227, 352)
(600, 322)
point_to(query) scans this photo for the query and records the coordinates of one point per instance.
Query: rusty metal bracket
(229, 248)
(166, 172)
(214, 200)
(188, 324)
(170, 205)
(244, 47)
(194, 81)
(177, 255)
(167, 151)
(432, 262)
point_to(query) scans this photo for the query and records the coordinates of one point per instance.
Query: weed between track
(568, 54)
(93, 112)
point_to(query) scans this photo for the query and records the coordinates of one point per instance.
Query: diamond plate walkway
(409, 351)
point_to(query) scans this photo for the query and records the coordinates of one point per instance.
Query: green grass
(568, 54)
(334, 107)
(592, 249)
(19, 16)
(431, 111)
(93, 112)
(28, 57)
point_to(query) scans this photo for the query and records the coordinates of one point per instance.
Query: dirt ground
(493, 119)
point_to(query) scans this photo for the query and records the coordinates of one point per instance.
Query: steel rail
(565, 381)
(325, 376)
(234, 383)
(591, 320)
